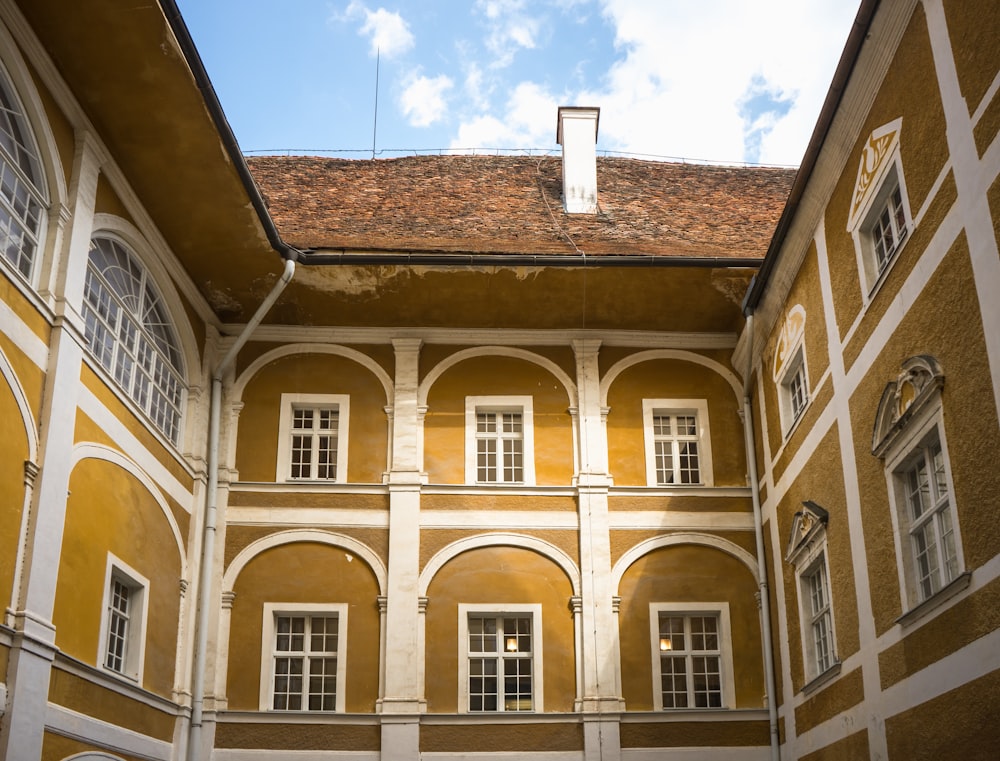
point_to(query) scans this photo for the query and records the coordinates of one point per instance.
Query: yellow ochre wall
(688, 574)
(496, 576)
(13, 454)
(672, 379)
(367, 437)
(923, 149)
(109, 510)
(444, 424)
(305, 572)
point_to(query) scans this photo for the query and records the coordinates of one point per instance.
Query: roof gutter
(845, 68)
(193, 59)
(486, 259)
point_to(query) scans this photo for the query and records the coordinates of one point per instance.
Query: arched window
(130, 333)
(22, 200)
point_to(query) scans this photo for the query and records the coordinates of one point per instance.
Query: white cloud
(684, 69)
(509, 29)
(528, 121)
(423, 99)
(388, 31)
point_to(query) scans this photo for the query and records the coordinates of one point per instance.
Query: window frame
(726, 670)
(521, 404)
(880, 174)
(499, 611)
(289, 403)
(268, 651)
(697, 407)
(37, 186)
(815, 560)
(795, 369)
(928, 427)
(134, 658)
(104, 347)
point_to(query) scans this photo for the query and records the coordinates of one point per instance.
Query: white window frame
(927, 425)
(534, 610)
(878, 183)
(522, 404)
(687, 610)
(271, 610)
(815, 560)
(794, 370)
(35, 186)
(138, 616)
(697, 407)
(289, 402)
(120, 341)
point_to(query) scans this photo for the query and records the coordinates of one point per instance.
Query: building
(461, 457)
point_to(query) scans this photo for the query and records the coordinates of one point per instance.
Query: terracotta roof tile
(513, 205)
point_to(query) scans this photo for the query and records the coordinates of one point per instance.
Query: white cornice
(488, 336)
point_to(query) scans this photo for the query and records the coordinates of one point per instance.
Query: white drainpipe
(758, 527)
(211, 500)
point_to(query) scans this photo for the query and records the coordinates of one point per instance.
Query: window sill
(818, 681)
(954, 587)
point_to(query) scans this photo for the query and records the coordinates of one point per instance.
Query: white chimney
(577, 134)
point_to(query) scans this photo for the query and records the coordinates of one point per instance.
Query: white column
(599, 635)
(34, 634)
(402, 699)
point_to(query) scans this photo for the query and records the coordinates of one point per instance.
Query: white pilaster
(34, 599)
(598, 631)
(402, 699)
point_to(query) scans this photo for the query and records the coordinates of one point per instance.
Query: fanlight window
(21, 197)
(130, 334)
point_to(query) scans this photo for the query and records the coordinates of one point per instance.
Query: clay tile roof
(513, 205)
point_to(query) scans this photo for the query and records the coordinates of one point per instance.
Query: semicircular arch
(685, 356)
(21, 400)
(240, 384)
(496, 351)
(681, 538)
(294, 536)
(92, 451)
(456, 548)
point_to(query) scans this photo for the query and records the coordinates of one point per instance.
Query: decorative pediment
(919, 379)
(874, 160)
(808, 528)
(788, 340)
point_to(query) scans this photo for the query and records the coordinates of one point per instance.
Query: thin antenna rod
(378, 55)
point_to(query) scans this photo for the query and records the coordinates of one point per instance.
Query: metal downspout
(758, 528)
(211, 501)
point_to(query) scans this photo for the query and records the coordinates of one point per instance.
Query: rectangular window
(312, 437)
(501, 659)
(499, 440)
(314, 442)
(923, 482)
(675, 438)
(888, 230)
(819, 639)
(123, 620)
(793, 390)
(678, 443)
(119, 608)
(499, 447)
(692, 663)
(303, 662)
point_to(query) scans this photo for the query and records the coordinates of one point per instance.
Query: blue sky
(720, 80)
